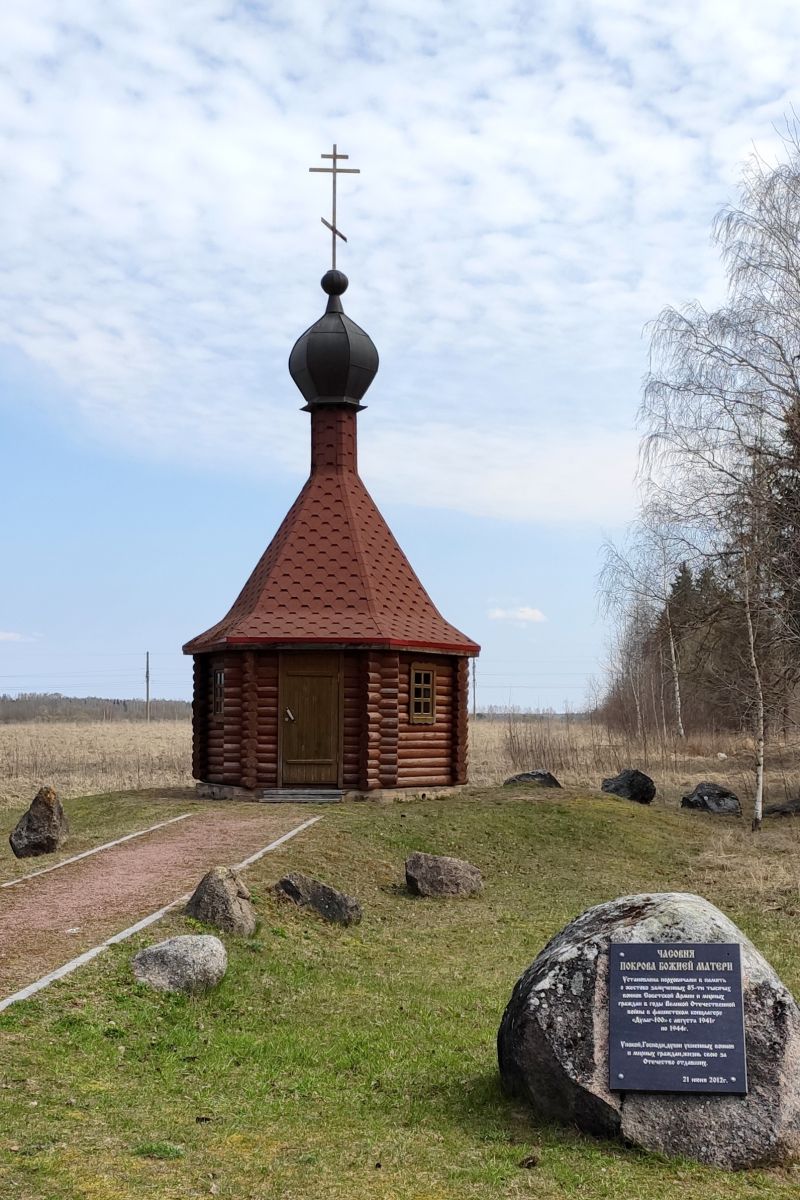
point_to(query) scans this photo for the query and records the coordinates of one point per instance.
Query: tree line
(705, 591)
(52, 706)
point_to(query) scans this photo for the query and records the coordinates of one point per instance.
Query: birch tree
(720, 412)
(640, 575)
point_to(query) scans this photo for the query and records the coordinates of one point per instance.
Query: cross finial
(333, 170)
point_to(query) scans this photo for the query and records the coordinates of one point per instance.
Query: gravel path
(48, 920)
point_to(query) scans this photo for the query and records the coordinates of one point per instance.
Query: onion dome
(334, 361)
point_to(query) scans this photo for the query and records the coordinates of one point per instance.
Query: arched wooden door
(310, 720)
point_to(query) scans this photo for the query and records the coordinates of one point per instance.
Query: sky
(537, 181)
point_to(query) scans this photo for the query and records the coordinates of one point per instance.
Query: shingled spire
(334, 573)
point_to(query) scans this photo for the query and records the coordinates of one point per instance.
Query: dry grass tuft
(765, 866)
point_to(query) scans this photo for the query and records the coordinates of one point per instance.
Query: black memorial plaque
(676, 1022)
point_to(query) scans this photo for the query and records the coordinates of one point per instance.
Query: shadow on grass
(479, 1107)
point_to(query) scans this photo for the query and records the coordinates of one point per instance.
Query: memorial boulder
(553, 1043)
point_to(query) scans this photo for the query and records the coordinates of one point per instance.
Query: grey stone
(553, 1041)
(631, 785)
(43, 829)
(789, 808)
(192, 963)
(713, 798)
(310, 893)
(439, 875)
(538, 778)
(221, 899)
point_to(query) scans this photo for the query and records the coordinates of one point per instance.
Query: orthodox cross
(333, 170)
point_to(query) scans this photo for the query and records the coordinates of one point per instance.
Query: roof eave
(466, 648)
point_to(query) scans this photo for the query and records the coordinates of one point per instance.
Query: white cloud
(537, 181)
(522, 613)
(513, 474)
(6, 636)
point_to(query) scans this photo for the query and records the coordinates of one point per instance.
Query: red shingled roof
(334, 573)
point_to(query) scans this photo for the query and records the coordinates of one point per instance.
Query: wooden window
(218, 707)
(423, 694)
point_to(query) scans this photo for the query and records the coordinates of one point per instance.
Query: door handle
(288, 715)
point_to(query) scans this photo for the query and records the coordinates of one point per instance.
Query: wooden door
(309, 720)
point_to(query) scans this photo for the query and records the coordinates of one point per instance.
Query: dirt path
(48, 920)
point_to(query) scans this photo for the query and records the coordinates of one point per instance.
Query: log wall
(372, 712)
(460, 754)
(240, 747)
(215, 733)
(425, 752)
(200, 709)
(232, 718)
(266, 707)
(354, 700)
(381, 748)
(388, 700)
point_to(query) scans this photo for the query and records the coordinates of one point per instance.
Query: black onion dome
(334, 361)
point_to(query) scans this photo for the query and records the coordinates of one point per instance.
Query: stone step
(302, 795)
(298, 795)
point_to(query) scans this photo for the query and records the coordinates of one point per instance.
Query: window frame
(218, 691)
(423, 717)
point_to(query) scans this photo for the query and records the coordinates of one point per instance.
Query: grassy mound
(361, 1063)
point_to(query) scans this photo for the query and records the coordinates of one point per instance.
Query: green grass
(360, 1063)
(159, 1150)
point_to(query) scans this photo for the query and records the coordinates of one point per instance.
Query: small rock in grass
(43, 829)
(221, 899)
(538, 778)
(631, 785)
(439, 875)
(192, 963)
(327, 901)
(713, 798)
(789, 808)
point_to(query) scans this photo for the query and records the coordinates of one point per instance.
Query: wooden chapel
(333, 671)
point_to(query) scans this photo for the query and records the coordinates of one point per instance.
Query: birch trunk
(758, 804)
(661, 695)
(637, 702)
(676, 682)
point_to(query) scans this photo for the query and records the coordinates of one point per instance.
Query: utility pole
(147, 686)
(474, 693)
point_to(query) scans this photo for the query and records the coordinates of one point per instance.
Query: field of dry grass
(79, 759)
(93, 757)
(581, 754)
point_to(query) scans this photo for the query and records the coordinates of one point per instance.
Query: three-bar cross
(333, 170)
